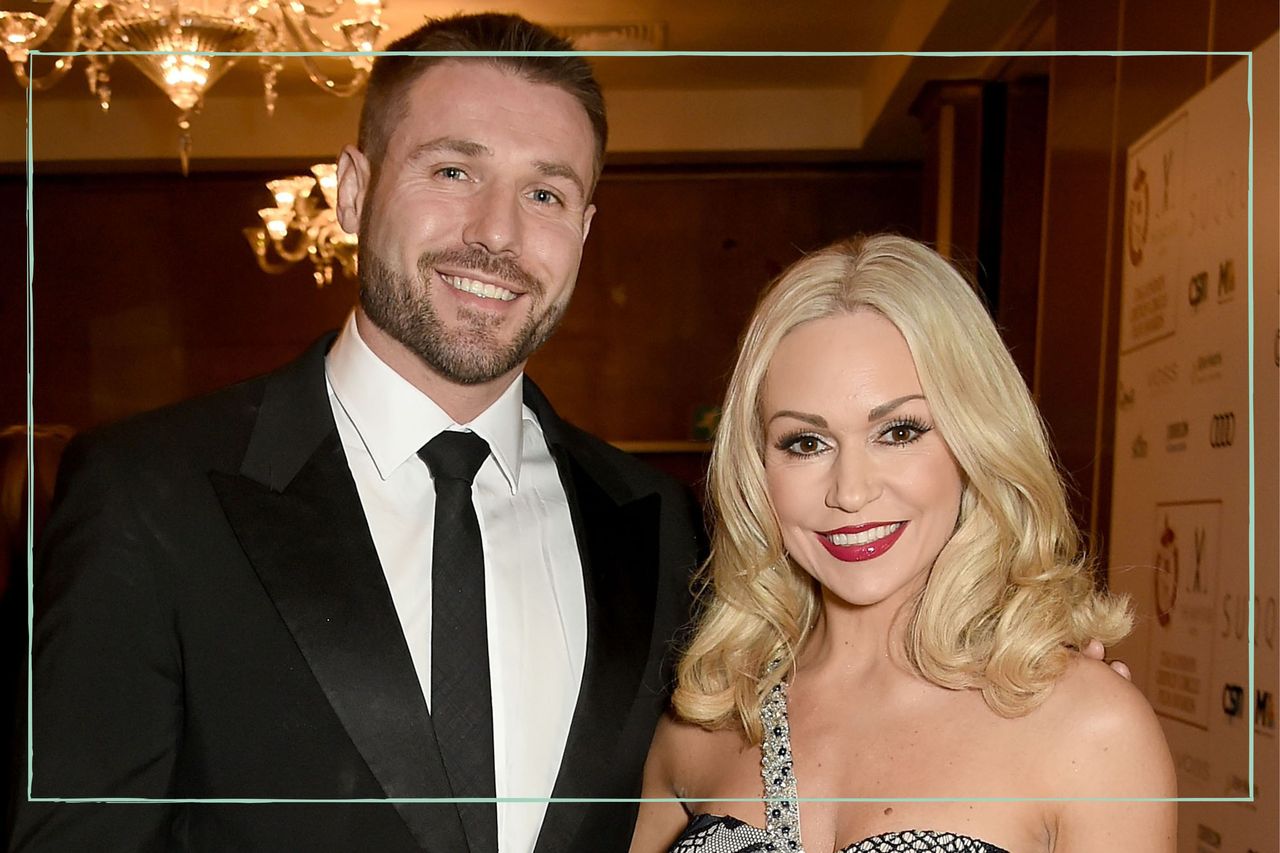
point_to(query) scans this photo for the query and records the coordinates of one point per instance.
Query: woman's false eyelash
(787, 442)
(917, 426)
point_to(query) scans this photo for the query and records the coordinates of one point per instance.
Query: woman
(894, 592)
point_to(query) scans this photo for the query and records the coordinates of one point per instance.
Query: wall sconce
(304, 224)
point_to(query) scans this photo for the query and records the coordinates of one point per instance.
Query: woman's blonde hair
(1009, 592)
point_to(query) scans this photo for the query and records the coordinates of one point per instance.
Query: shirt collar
(394, 419)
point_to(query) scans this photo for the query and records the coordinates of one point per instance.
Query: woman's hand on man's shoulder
(1094, 650)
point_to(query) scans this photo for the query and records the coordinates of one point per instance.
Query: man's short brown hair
(385, 103)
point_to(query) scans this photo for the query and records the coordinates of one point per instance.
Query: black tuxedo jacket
(212, 622)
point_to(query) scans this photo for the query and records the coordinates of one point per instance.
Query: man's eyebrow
(815, 420)
(471, 148)
(451, 144)
(552, 169)
(885, 408)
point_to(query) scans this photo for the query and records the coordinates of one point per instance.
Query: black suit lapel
(618, 543)
(297, 514)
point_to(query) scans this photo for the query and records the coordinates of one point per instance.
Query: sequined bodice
(708, 833)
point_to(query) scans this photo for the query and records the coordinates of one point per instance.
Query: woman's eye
(804, 445)
(900, 434)
(903, 433)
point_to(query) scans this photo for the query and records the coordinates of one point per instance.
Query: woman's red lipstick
(867, 551)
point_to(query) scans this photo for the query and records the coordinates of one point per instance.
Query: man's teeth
(864, 537)
(479, 288)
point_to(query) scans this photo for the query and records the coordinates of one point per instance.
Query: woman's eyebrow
(885, 408)
(815, 420)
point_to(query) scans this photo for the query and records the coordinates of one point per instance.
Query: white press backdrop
(1180, 519)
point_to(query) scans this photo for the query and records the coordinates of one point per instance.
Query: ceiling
(885, 86)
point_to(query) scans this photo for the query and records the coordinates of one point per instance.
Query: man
(287, 591)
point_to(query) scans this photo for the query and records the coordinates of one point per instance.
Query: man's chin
(465, 363)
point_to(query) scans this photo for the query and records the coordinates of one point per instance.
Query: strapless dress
(708, 833)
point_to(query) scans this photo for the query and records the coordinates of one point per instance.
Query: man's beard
(471, 353)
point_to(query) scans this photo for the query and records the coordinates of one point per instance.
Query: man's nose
(494, 222)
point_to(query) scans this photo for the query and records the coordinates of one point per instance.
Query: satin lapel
(618, 544)
(299, 520)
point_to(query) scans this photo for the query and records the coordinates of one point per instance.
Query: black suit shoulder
(156, 447)
(211, 427)
(154, 451)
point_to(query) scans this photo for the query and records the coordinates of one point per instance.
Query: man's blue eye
(545, 197)
(453, 173)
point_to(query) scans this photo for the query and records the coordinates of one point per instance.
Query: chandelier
(304, 224)
(185, 47)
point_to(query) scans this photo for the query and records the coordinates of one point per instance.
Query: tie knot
(455, 455)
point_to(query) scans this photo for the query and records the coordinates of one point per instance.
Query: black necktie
(461, 701)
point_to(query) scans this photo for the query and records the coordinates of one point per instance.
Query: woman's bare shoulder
(1107, 741)
(1105, 752)
(682, 750)
(1091, 690)
(674, 733)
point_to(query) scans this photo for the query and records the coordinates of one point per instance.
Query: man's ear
(353, 184)
(587, 215)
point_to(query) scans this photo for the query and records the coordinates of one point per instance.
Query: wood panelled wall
(983, 183)
(145, 292)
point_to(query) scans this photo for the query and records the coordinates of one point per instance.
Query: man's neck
(462, 403)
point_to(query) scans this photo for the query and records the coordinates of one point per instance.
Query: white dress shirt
(534, 597)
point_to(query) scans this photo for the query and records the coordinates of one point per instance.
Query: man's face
(471, 238)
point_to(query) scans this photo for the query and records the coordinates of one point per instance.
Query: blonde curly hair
(1010, 592)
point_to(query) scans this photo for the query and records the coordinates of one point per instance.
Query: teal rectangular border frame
(645, 53)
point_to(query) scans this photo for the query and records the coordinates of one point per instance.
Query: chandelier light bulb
(327, 177)
(277, 221)
(287, 191)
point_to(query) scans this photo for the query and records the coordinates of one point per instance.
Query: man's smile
(484, 290)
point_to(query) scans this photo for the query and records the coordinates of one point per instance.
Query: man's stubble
(470, 353)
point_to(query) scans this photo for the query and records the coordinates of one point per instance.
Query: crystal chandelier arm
(329, 236)
(272, 269)
(23, 32)
(364, 32)
(313, 11)
(56, 11)
(360, 65)
(350, 261)
(321, 269)
(43, 81)
(328, 84)
(333, 243)
(300, 245)
(299, 26)
(258, 240)
(85, 23)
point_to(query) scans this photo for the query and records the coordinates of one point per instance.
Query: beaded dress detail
(707, 833)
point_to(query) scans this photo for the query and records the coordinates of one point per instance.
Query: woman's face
(865, 489)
